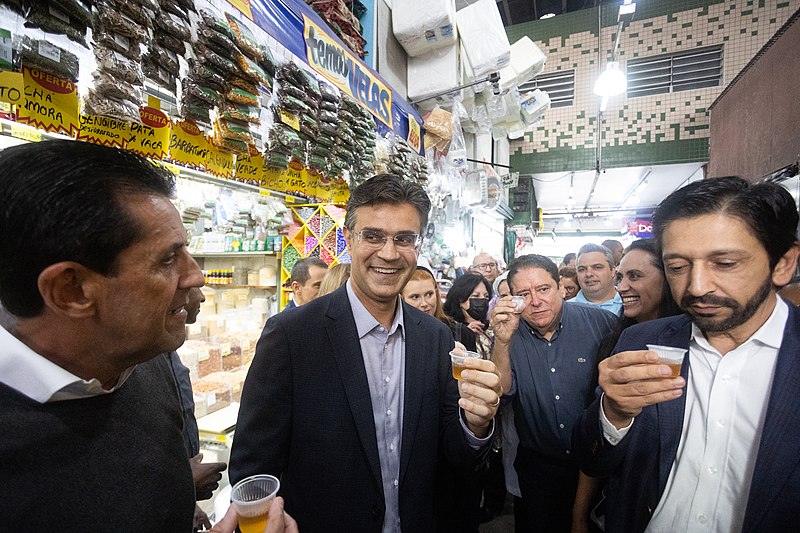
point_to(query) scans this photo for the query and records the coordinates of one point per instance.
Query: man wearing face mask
(468, 302)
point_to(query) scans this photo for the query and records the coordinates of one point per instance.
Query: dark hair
(569, 257)
(599, 248)
(667, 306)
(608, 243)
(460, 292)
(568, 272)
(525, 262)
(766, 208)
(65, 201)
(300, 272)
(388, 189)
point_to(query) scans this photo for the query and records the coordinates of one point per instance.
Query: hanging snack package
(170, 43)
(112, 87)
(118, 65)
(231, 129)
(108, 19)
(173, 25)
(245, 39)
(166, 59)
(439, 122)
(41, 55)
(240, 96)
(268, 62)
(39, 14)
(151, 5)
(208, 76)
(240, 112)
(199, 95)
(251, 70)
(119, 43)
(223, 64)
(101, 105)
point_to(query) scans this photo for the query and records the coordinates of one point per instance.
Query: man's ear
(348, 237)
(69, 289)
(787, 265)
(296, 286)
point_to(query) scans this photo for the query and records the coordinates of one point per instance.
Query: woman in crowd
(569, 282)
(468, 302)
(645, 296)
(458, 494)
(422, 292)
(642, 285)
(335, 277)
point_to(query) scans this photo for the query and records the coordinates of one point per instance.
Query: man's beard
(739, 315)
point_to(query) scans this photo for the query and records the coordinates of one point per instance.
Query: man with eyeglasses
(350, 398)
(486, 266)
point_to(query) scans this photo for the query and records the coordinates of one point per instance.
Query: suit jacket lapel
(670, 414)
(419, 364)
(777, 453)
(343, 337)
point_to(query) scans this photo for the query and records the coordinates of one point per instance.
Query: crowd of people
(351, 399)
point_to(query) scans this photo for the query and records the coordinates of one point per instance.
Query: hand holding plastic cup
(252, 498)
(670, 356)
(457, 358)
(519, 302)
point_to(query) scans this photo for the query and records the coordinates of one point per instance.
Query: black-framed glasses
(377, 239)
(484, 266)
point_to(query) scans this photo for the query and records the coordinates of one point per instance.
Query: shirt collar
(769, 334)
(40, 379)
(613, 300)
(365, 322)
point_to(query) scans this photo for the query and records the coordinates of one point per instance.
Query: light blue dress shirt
(614, 304)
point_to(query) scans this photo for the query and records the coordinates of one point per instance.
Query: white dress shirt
(40, 379)
(726, 404)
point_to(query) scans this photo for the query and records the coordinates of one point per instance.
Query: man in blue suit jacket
(717, 448)
(350, 398)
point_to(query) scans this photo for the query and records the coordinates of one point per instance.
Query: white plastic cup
(519, 303)
(252, 498)
(457, 359)
(670, 356)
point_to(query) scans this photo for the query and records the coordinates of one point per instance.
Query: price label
(27, 134)
(12, 87)
(290, 120)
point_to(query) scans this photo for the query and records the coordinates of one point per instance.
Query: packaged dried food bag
(101, 105)
(118, 65)
(41, 55)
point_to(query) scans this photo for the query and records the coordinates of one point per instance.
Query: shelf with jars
(315, 231)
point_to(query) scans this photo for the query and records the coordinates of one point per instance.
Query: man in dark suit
(715, 449)
(350, 398)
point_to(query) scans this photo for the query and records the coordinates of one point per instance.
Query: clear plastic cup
(457, 359)
(670, 356)
(252, 498)
(519, 302)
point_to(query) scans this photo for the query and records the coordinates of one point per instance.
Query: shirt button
(391, 447)
(712, 470)
(720, 423)
(568, 452)
(549, 343)
(387, 379)
(726, 377)
(388, 412)
(552, 370)
(702, 518)
(381, 329)
(561, 426)
(396, 482)
(558, 397)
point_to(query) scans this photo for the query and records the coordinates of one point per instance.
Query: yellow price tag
(290, 199)
(264, 192)
(290, 120)
(26, 134)
(12, 87)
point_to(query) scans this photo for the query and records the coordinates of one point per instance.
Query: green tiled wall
(663, 128)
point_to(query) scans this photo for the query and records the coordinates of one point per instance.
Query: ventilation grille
(681, 71)
(559, 86)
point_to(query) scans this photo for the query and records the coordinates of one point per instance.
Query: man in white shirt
(597, 271)
(715, 449)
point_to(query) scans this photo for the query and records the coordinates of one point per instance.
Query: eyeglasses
(377, 239)
(484, 266)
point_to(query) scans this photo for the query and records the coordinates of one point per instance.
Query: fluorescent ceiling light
(611, 82)
(547, 16)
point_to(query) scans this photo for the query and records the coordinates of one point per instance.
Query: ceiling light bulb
(547, 16)
(612, 81)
